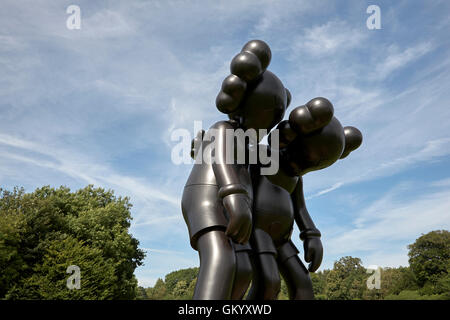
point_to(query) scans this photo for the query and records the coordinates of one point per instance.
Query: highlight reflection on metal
(241, 221)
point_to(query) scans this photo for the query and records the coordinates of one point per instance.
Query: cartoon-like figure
(312, 139)
(217, 199)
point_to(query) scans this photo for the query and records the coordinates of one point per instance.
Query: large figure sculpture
(225, 204)
(312, 139)
(217, 199)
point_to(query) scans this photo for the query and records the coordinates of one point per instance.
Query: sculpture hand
(313, 252)
(240, 223)
(314, 115)
(304, 120)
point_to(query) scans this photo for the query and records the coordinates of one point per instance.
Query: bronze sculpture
(312, 139)
(217, 198)
(226, 203)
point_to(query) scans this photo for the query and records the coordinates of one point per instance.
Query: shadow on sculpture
(217, 198)
(227, 203)
(312, 139)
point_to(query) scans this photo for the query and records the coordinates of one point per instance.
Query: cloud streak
(86, 170)
(389, 221)
(397, 60)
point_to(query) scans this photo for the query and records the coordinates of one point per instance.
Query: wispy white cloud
(397, 59)
(325, 191)
(441, 183)
(400, 130)
(431, 149)
(157, 221)
(162, 251)
(107, 24)
(392, 256)
(85, 169)
(390, 220)
(335, 36)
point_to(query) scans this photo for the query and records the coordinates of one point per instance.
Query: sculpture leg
(217, 267)
(297, 279)
(243, 275)
(266, 280)
(256, 279)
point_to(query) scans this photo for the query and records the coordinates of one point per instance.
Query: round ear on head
(252, 61)
(246, 66)
(196, 143)
(261, 50)
(316, 114)
(231, 93)
(353, 139)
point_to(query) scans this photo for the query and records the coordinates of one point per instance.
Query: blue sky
(98, 105)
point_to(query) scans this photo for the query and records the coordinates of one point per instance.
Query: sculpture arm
(227, 175)
(301, 214)
(309, 234)
(233, 193)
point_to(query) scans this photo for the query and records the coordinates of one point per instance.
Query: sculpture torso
(203, 173)
(273, 209)
(202, 208)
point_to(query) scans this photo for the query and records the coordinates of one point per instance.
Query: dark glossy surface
(226, 204)
(218, 197)
(312, 139)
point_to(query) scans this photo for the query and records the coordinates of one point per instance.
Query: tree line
(44, 232)
(426, 277)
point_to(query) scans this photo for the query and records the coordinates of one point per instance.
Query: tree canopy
(429, 258)
(44, 232)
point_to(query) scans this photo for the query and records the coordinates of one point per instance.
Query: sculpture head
(313, 139)
(252, 96)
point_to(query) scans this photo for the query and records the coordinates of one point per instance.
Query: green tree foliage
(347, 279)
(191, 288)
(415, 295)
(319, 283)
(158, 291)
(429, 259)
(180, 289)
(178, 285)
(284, 294)
(12, 227)
(396, 280)
(44, 232)
(141, 293)
(186, 275)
